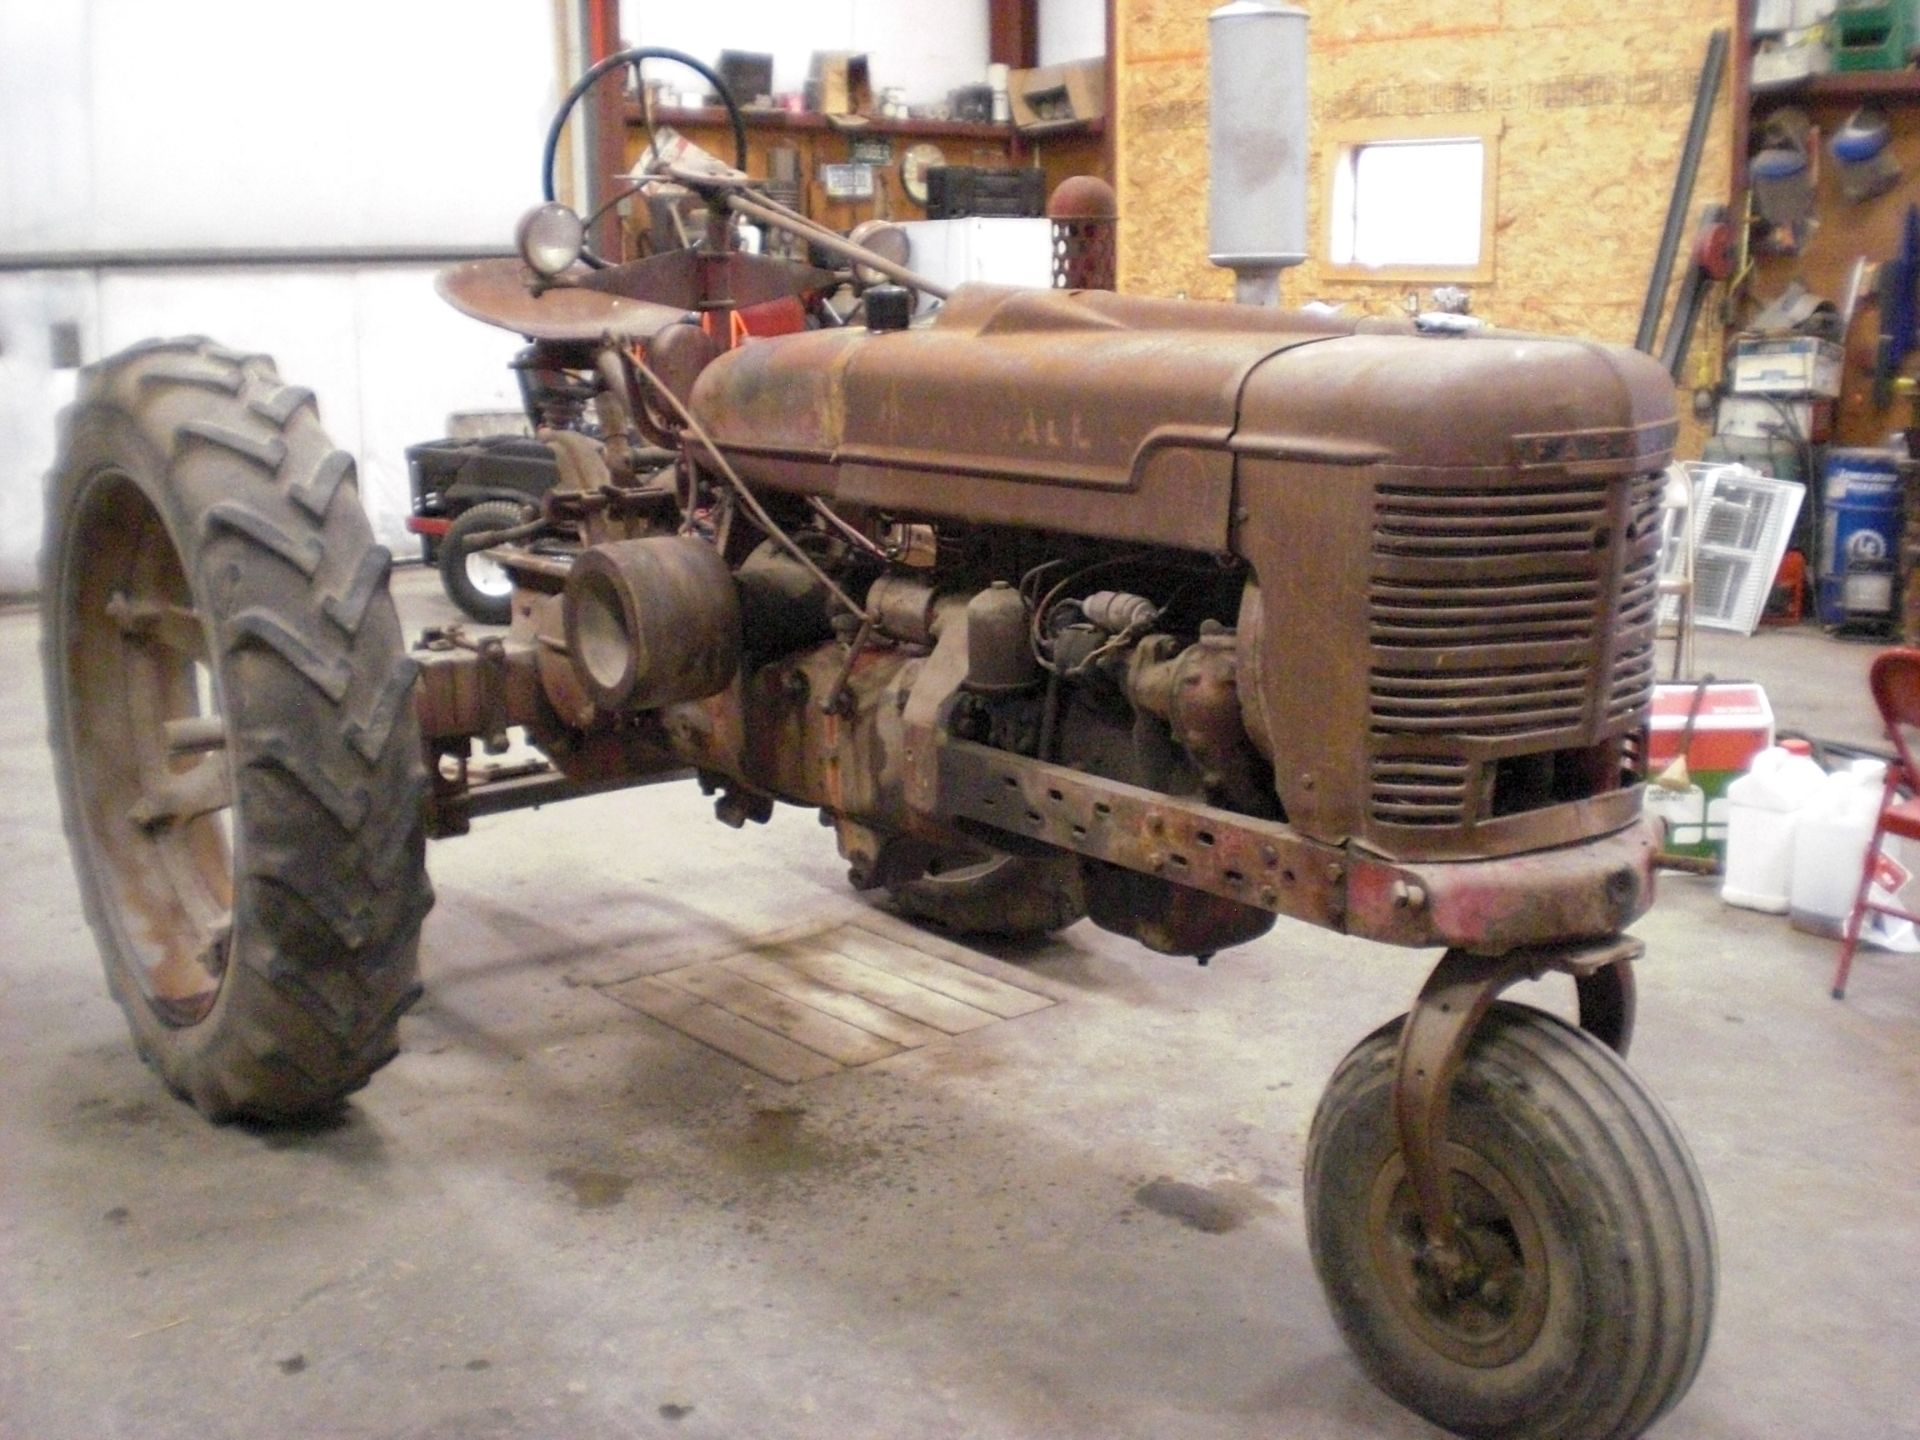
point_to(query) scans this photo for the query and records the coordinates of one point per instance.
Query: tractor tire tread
(330, 890)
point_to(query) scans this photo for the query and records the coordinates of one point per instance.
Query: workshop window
(1412, 206)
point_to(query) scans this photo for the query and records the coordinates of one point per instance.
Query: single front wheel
(1583, 1308)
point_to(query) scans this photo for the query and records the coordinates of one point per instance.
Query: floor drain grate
(800, 1009)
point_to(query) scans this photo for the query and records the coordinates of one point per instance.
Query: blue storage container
(1859, 535)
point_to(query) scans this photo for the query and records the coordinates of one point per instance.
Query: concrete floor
(553, 1216)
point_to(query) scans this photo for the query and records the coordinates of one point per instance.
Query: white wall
(928, 50)
(386, 357)
(46, 180)
(267, 124)
(1072, 30)
(32, 393)
(295, 122)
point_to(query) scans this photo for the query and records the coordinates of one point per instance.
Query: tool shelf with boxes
(849, 147)
(1821, 319)
(1777, 417)
(1796, 40)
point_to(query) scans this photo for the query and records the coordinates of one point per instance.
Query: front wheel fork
(1434, 1040)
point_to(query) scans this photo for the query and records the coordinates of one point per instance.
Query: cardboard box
(1757, 417)
(1734, 725)
(838, 84)
(748, 75)
(1791, 365)
(1795, 56)
(1057, 97)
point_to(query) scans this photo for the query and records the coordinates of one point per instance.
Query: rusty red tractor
(1179, 616)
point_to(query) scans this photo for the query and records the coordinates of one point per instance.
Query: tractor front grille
(1512, 618)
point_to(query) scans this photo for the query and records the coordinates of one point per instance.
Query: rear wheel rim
(150, 749)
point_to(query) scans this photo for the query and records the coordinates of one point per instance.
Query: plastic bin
(1860, 533)
(1871, 37)
(1763, 814)
(1830, 847)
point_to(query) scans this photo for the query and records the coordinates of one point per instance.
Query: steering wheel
(634, 57)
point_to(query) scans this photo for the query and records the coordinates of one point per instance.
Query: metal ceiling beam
(1013, 33)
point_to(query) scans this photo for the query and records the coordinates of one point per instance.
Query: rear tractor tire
(232, 723)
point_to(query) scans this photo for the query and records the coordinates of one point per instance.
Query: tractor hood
(1121, 417)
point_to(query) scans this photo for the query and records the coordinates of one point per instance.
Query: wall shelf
(1849, 231)
(1841, 86)
(1073, 149)
(715, 116)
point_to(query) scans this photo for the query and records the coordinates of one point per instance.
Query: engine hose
(634, 58)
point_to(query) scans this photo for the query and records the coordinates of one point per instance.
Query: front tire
(1583, 1213)
(233, 732)
(474, 580)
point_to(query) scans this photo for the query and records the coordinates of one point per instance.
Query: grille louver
(1488, 607)
(1419, 790)
(1634, 619)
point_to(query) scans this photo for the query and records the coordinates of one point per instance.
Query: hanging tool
(1712, 260)
(1897, 313)
(1742, 266)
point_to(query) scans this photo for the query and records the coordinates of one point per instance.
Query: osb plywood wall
(1593, 98)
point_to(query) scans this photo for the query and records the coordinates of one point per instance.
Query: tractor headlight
(549, 238)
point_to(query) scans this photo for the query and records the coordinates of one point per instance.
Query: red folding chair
(1895, 682)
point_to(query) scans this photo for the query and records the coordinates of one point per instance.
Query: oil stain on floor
(776, 1141)
(592, 1189)
(1213, 1210)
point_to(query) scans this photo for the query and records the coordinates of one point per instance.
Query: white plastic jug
(1763, 815)
(1830, 847)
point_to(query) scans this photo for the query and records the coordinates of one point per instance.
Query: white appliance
(1005, 252)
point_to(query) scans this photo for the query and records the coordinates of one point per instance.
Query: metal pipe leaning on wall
(1682, 198)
